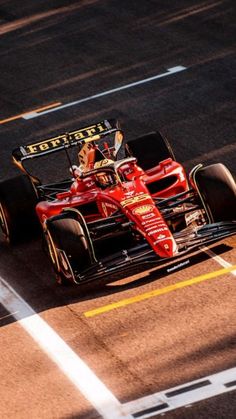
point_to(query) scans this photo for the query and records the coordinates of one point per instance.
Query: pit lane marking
(158, 292)
(169, 72)
(218, 259)
(61, 354)
(183, 395)
(58, 105)
(26, 115)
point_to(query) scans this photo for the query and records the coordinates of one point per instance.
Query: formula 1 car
(116, 210)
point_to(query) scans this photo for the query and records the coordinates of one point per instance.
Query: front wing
(188, 241)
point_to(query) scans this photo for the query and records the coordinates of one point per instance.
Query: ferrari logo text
(65, 139)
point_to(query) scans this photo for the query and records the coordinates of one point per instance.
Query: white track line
(186, 394)
(170, 71)
(61, 354)
(218, 259)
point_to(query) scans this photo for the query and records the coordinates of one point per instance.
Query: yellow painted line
(43, 108)
(155, 293)
(12, 118)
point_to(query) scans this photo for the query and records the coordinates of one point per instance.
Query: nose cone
(165, 247)
(153, 227)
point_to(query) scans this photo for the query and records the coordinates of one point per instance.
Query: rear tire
(68, 247)
(150, 149)
(217, 190)
(18, 198)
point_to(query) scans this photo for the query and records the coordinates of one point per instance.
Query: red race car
(123, 204)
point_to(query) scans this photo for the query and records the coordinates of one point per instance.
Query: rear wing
(75, 138)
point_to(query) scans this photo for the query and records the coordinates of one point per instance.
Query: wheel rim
(3, 223)
(52, 251)
(63, 271)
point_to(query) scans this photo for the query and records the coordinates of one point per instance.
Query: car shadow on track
(27, 270)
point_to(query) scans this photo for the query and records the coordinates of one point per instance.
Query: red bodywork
(132, 195)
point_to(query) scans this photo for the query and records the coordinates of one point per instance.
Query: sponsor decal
(104, 207)
(128, 171)
(179, 265)
(112, 206)
(130, 193)
(90, 184)
(157, 230)
(65, 139)
(142, 209)
(151, 227)
(107, 207)
(101, 163)
(135, 199)
(150, 215)
(149, 224)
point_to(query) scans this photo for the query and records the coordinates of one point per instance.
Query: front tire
(68, 247)
(217, 190)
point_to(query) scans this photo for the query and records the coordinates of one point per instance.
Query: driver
(104, 178)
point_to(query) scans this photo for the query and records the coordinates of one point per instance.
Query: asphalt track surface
(57, 53)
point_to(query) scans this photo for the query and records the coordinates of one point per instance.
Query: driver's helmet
(103, 163)
(105, 179)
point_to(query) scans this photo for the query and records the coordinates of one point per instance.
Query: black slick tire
(18, 198)
(217, 190)
(68, 247)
